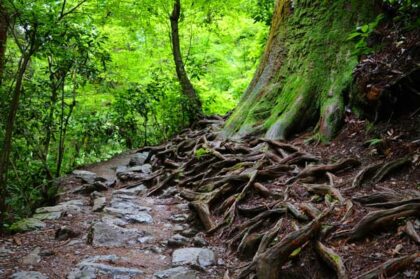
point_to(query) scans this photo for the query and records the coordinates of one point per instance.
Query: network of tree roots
(273, 203)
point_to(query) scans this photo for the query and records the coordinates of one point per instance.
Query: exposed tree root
(254, 193)
(388, 168)
(364, 174)
(378, 218)
(324, 189)
(316, 171)
(411, 232)
(390, 267)
(332, 259)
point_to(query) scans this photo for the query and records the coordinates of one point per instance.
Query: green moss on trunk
(305, 70)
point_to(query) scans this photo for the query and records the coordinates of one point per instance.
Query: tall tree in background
(32, 30)
(3, 38)
(195, 108)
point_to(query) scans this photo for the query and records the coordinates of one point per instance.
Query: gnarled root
(332, 259)
(378, 218)
(391, 267)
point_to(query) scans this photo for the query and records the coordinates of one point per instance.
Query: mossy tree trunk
(305, 71)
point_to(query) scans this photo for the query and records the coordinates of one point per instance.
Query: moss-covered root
(332, 259)
(268, 264)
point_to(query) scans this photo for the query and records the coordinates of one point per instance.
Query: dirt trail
(130, 235)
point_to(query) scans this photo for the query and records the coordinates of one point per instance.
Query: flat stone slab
(138, 159)
(109, 235)
(85, 176)
(100, 265)
(73, 206)
(180, 272)
(193, 256)
(55, 215)
(26, 225)
(134, 191)
(28, 275)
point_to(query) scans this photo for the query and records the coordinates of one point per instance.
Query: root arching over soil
(275, 204)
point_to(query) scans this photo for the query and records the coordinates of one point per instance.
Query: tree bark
(3, 39)
(195, 108)
(7, 142)
(304, 72)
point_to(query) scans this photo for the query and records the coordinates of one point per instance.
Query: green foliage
(362, 33)
(374, 142)
(407, 12)
(201, 152)
(101, 79)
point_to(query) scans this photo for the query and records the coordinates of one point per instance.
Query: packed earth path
(102, 228)
(200, 206)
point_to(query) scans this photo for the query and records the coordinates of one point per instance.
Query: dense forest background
(98, 78)
(81, 81)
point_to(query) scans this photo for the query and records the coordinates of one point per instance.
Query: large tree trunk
(194, 108)
(3, 38)
(305, 71)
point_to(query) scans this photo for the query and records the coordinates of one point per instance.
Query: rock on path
(101, 229)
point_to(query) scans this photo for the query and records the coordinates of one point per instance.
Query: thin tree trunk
(7, 143)
(3, 39)
(63, 129)
(187, 88)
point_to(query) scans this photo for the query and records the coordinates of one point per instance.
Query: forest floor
(200, 207)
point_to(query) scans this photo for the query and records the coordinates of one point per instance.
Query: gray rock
(28, 224)
(85, 176)
(28, 275)
(87, 189)
(55, 215)
(145, 239)
(179, 218)
(131, 175)
(177, 240)
(134, 191)
(83, 273)
(128, 205)
(190, 232)
(179, 272)
(157, 250)
(123, 212)
(98, 204)
(96, 195)
(115, 221)
(144, 169)
(68, 207)
(178, 228)
(109, 235)
(141, 217)
(138, 159)
(65, 233)
(4, 252)
(193, 256)
(120, 169)
(93, 266)
(199, 241)
(183, 206)
(32, 258)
